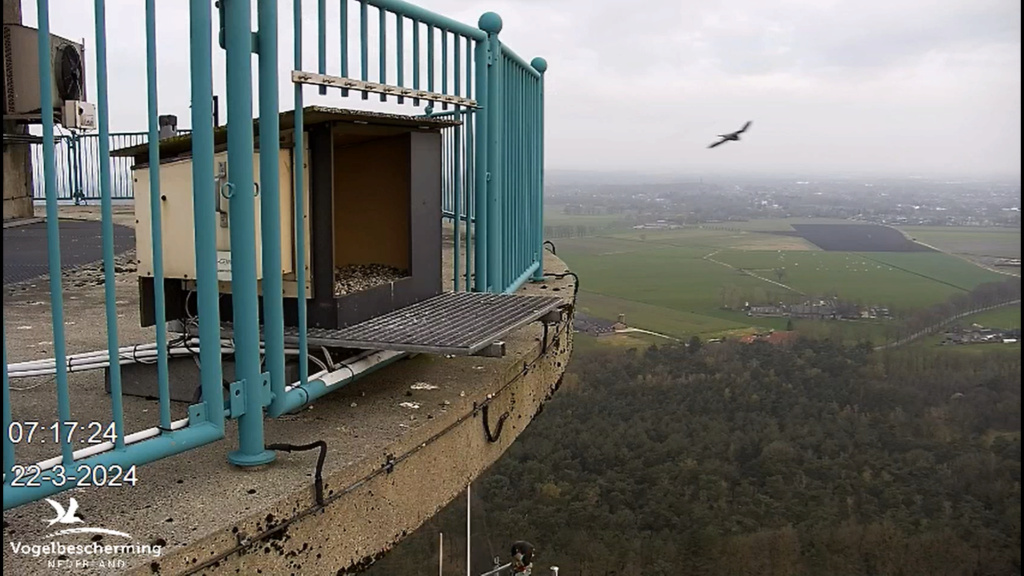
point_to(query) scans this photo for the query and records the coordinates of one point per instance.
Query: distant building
(814, 311)
(770, 311)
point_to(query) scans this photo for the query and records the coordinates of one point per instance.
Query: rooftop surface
(421, 412)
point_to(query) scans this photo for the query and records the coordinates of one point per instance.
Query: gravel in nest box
(359, 277)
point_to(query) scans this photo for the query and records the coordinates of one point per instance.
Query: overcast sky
(910, 87)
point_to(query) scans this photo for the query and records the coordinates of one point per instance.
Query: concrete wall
(17, 160)
(17, 182)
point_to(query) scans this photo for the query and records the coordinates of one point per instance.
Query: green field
(969, 241)
(1007, 317)
(694, 280)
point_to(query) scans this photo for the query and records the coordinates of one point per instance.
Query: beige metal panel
(178, 223)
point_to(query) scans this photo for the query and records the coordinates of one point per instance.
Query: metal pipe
(343, 5)
(244, 299)
(364, 59)
(444, 66)
(8, 444)
(107, 218)
(540, 65)
(321, 25)
(52, 216)
(400, 41)
(491, 23)
(432, 18)
(205, 221)
(457, 201)
(302, 394)
(382, 33)
(156, 218)
(470, 167)
(415, 59)
(135, 453)
(270, 196)
(430, 58)
(522, 278)
(298, 168)
(482, 60)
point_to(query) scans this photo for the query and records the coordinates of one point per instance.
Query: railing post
(241, 192)
(270, 200)
(491, 23)
(483, 60)
(204, 221)
(540, 65)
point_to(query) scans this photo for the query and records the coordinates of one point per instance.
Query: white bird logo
(68, 516)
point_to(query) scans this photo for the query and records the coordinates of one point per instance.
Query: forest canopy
(812, 459)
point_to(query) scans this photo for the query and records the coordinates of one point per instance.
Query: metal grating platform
(457, 323)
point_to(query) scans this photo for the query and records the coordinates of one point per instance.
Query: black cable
(576, 285)
(493, 437)
(318, 478)
(552, 244)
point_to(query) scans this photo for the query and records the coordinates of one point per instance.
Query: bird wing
(71, 515)
(744, 129)
(719, 143)
(58, 509)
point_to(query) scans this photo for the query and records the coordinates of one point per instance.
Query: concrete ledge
(213, 518)
(16, 222)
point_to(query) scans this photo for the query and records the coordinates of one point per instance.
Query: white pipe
(22, 371)
(353, 366)
(125, 350)
(108, 446)
(348, 370)
(469, 534)
(440, 556)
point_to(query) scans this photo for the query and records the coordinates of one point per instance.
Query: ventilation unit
(21, 73)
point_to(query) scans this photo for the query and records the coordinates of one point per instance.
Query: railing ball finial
(490, 23)
(539, 64)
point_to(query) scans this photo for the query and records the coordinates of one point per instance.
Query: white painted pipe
(22, 371)
(108, 446)
(349, 369)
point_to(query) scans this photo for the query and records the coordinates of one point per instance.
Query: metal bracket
(265, 391)
(313, 78)
(197, 414)
(219, 180)
(236, 399)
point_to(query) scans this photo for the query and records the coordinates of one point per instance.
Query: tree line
(820, 458)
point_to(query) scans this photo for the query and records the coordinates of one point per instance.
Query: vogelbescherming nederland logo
(72, 554)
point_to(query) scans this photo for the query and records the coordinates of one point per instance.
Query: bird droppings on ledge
(358, 277)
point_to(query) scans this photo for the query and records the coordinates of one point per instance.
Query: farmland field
(696, 279)
(969, 240)
(857, 238)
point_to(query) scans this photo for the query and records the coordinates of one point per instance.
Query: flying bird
(732, 136)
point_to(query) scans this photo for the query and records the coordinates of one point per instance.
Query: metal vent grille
(457, 323)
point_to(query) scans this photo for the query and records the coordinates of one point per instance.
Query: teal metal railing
(77, 163)
(122, 451)
(492, 194)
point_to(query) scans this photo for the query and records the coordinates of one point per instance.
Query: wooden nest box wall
(372, 222)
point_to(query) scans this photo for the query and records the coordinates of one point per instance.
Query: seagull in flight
(732, 136)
